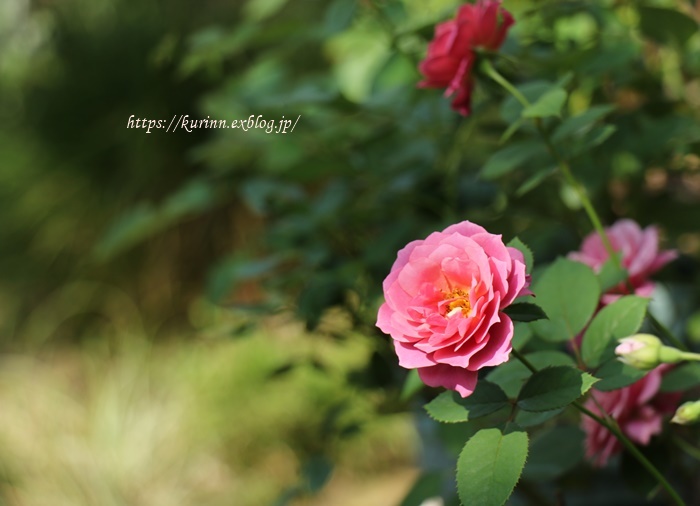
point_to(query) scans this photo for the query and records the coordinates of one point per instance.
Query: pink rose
(640, 256)
(451, 53)
(444, 301)
(638, 410)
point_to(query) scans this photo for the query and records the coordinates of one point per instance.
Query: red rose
(451, 53)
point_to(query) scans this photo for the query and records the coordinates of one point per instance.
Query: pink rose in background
(444, 301)
(638, 409)
(451, 54)
(640, 256)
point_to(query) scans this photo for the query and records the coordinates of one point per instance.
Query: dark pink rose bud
(451, 53)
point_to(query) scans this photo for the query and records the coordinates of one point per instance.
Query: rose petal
(452, 378)
(410, 357)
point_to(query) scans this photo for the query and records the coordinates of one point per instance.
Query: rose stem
(685, 446)
(612, 426)
(565, 168)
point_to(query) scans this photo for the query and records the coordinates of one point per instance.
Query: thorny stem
(610, 424)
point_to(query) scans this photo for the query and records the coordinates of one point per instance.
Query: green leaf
(516, 243)
(514, 127)
(411, 385)
(554, 387)
(510, 158)
(611, 275)
(449, 407)
(534, 181)
(549, 104)
(620, 319)
(533, 418)
(614, 374)
(489, 467)
(666, 25)
(146, 220)
(320, 292)
(578, 125)
(554, 452)
(257, 10)
(525, 312)
(134, 226)
(522, 333)
(511, 109)
(565, 80)
(339, 15)
(315, 473)
(681, 378)
(227, 275)
(193, 198)
(511, 375)
(598, 135)
(568, 292)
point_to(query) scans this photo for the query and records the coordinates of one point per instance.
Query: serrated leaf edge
(584, 392)
(527, 454)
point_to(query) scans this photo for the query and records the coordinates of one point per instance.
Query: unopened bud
(645, 352)
(687, 413)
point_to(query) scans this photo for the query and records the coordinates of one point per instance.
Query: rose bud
(687, 413)
(645, 352)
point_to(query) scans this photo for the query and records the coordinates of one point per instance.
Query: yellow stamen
(459, 304)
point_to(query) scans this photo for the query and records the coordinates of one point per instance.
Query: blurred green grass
(190, 422)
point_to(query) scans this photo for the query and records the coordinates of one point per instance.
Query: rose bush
(638, 409)
(444, 301)
(452, 52)
(640, 255)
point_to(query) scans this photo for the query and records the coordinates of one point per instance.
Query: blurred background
(188, 317)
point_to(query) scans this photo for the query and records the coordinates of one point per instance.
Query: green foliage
(316, 472)
(449, 407)
(549, 104)
(611, 275)
(235, 271)
(682, 377)
(666, 25)
(553, 453)
(620, 319)
(516, 243)
(533, 91)
(511, 375)
(553, 388)
(510, 158)
(525, 312)
(568, 292)
(411, 385)
(527, 419)
(574, 127)
(534, 181)
(613, 374)
(309, 222)
(490, 466)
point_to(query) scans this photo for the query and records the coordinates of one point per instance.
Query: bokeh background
(188, 318)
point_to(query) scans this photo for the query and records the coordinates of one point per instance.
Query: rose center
(458, 301)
